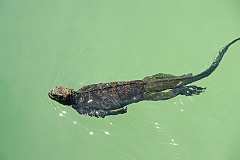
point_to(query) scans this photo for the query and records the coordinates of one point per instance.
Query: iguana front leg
(103, 113)
(183, 90)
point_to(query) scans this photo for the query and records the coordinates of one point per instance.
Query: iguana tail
(214, 64)
(162, 81)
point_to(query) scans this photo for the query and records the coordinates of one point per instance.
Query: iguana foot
(191, 90)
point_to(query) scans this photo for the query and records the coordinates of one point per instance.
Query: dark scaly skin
(101, 99)
(105, 99)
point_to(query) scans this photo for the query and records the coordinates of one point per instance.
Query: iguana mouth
(50, 95)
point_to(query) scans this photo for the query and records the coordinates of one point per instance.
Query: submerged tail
(215, 63)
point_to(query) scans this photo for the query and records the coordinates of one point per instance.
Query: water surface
(74, 43)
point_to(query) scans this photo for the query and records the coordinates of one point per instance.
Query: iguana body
(104, 99)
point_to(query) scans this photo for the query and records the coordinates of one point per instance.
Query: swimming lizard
(103, 99)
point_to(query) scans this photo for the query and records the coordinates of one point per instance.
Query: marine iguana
(103, 99)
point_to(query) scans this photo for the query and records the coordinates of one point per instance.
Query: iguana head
(61, 95)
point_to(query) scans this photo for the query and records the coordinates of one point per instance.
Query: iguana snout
(61, 95)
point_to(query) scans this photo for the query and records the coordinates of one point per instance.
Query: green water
(74, 43)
